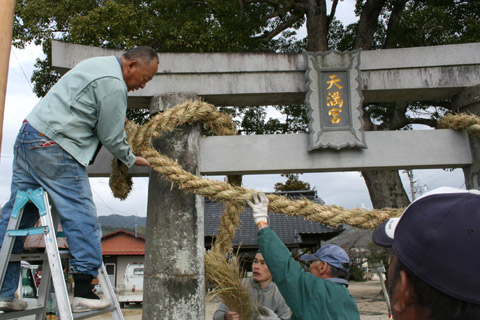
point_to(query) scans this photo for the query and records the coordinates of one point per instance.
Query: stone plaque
(334, 100)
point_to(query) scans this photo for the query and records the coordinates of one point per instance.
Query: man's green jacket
(308, 297)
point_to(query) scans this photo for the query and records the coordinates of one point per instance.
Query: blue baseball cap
(438, 239)
(331, 254)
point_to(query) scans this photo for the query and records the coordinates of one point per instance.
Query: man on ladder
(58, 139)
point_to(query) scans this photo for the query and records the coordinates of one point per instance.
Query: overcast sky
(346, 189)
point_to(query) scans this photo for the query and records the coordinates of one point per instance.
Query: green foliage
(292, 184)
(436, 22)
(295, 119)
(115, 25)
(341, 38)
(165, 25)
(44, 77)
(256, 120)
(379, 255)
(357, 273)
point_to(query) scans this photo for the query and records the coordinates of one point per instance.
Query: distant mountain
(119, 221)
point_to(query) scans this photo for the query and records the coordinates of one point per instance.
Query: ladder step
(32, 309)
(89, 314)
(27, 232)
(64, 254)
(32, 231)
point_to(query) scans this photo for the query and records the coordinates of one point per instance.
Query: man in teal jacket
(320, 294)
(58, 139)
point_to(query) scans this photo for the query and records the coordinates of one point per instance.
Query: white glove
(266, 314)
(259, 207)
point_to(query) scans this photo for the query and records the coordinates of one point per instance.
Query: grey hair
(142, 53)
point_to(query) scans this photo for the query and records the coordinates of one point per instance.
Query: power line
(103, 201)
(21, 68)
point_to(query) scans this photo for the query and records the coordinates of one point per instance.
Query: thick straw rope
(460, 122)
(193, 111)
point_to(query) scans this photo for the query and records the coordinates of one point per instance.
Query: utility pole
(412, 183)
(6, 24)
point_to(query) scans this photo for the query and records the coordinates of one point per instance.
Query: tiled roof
(124, 253)
(290, 229)
(121, 231)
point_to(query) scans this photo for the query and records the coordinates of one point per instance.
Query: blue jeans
(39, 162)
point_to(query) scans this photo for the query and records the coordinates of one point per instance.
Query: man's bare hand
(231, 315)
(142, 162)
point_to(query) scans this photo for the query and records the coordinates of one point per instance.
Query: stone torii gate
(174, 282)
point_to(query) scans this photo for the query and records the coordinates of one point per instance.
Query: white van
(132, 288)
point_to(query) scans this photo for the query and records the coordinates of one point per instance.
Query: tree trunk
(367, 24)
(384, 186)
(317, 25)
(393, 23)
(385, 189)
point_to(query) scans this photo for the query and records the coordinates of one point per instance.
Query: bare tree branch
(280, 11)
(332, 12)
(428, 122)
(269, 35)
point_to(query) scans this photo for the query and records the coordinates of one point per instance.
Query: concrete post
(469, 101)
(472, 172)
(174, 283)
(6, 25)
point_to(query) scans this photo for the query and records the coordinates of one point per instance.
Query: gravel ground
(370, 300)
(369, 297)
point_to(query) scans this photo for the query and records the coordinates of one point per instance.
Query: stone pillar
(469, 101)
(174, 282)
(472, 172)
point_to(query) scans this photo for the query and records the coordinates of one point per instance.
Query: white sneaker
(83, 304)
(13, 305)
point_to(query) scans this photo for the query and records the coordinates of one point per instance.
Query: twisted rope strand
(228, 225)
(461, 121)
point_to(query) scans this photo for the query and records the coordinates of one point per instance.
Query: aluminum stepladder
(52, 264)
